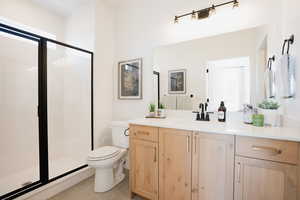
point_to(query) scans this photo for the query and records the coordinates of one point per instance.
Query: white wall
(290, 24)
(142, 25)
(30, 14)
(103, 73)
(91, 26)
(80, 27)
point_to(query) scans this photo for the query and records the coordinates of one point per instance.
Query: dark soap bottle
(222, 112)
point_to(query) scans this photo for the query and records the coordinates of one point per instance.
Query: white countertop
(229, 128)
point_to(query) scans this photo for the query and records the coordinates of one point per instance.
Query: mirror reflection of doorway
(156, 85)
(229, 81)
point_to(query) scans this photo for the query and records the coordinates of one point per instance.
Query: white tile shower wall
(18, 116)
(88, 30)
(42, 19)
(19, 89)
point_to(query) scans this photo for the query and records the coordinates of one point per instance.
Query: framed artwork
(177, 81)
(130, 79)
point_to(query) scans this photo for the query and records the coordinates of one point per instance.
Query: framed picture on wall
(130, 79)
(177, 81)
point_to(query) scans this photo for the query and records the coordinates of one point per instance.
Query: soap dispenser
(222, 112)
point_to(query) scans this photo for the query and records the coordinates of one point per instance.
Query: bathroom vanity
(188, 160)
(183, 159)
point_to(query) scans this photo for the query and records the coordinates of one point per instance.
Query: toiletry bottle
(222, 112)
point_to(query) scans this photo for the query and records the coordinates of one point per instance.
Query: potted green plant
(161, 112)
(151, 110)
(269, 109)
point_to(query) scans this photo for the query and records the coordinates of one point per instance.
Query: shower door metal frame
(156, 73)
(43, 109)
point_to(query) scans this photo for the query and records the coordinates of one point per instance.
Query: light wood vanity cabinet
(266, 169)
(183, 165)
(144, 161)
(265, 180)
(213, 167)
(175, 164)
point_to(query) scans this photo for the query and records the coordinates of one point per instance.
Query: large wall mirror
(229, 67)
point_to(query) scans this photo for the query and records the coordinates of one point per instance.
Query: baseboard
(58, 186)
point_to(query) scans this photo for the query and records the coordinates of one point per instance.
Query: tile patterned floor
(85, 191)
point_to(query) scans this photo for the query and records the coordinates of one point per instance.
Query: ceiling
(61, 7)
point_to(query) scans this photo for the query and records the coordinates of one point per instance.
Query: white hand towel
(270, 83)
(286, 76)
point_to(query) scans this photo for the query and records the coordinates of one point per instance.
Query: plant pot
(161, 112)
(151, 114)
(272, 117)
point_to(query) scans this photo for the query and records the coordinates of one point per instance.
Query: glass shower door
(19, 123)
(46, 120)
(69, 108)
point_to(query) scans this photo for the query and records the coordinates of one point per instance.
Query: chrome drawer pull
(270, 150)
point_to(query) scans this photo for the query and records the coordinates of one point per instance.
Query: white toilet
(109, 161)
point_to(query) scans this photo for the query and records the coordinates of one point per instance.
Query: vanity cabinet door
(213, 167)
(264, 180)
(175, 164)
(144, 168)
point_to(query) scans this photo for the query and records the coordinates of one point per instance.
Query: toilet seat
(104, 153)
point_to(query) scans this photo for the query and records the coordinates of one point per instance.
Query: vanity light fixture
(212, 10)
(236, 4)
(176, 20)
(206, 12)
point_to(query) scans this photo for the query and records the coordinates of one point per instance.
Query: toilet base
(106, 179)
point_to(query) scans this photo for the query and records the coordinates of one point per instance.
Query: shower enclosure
(46, 110)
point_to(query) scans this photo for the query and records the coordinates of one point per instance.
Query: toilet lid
(104, 152)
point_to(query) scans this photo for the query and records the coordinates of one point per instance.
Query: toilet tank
(119, 139)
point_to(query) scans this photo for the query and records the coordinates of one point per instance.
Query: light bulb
(194, 15)
(235, 4)
(176, 20)
(212, 10)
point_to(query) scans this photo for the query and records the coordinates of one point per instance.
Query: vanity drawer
(144, 133)
(267, 149)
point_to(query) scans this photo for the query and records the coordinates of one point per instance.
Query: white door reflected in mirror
(229, 81)
(235, 61)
